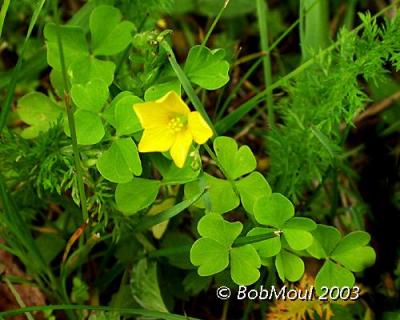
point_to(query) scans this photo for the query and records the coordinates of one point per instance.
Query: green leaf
(289, 266)
(211, 252)
(90, 96)
(160, 89)
(214, 226)
(89, 127)
(73, 42)
(120, 162)
(207, 68)
(274, 210)
(50, 245)
(218, 189)
(353, 253)
(298, 239)
(325, 240)
(136, 195)
(37, 110)
(209, 255)
(109, 35)
(266, 248)
(109, 111)
(126, 121)
(245, 263)
(145, 287)
(89, 67)
(301, 223)
(333, 275)
(236, 162)
(251, 188)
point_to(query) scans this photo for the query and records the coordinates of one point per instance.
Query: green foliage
(207, 68)
(308, 142)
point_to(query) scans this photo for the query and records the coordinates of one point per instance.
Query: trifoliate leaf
(109, 111)
(245, 263)
(289, 266)
(90, 96)
(89, 127)
(325, 240)
(37, 110)
(214, 226)
(251, 188)
(136, 195)
(300, 223)
(209, 255)
(274, 210)
(119, 163)
(333, 275)
(266, 248)
(126, 121)
(236, 162)
(207, 68)
(109, 35)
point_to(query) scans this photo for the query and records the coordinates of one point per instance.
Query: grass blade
(3, 13)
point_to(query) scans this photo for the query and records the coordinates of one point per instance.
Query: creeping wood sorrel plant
(156, 178)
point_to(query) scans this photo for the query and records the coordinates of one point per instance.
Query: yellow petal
(151, 115)
(173, 104)
(180, 148)
(199, 128)
(156, 140)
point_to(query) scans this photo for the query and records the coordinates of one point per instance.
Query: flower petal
(180, 148)
(151, 115)
(156, 140)
(199, 128)
(173, 103)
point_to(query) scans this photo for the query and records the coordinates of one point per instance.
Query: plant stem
(17, 297)
(71, 122)
(214, 24)
(262, 14)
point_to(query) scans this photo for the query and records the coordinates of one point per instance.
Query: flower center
(176, 124)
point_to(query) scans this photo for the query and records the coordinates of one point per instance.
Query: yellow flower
(169, 125)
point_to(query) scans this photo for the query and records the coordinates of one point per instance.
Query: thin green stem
(262, 14)
(3, 13)
(17, 297)
(214, 24)
(71, 121)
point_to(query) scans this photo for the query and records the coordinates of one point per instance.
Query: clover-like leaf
(210, 256)
(109, 35)
(207, 68)
(73, 43)
(236, 162)
(159, 90)
(333, 275)
(90, 96)
(273, 210)
(289, 266)
(120, 162)
(89, 127)
(211, 252)
(266, 248)
(218, 189)
(136, 195)
(352, 252)
(251, 188)
(86, 68)
(126, 121)
(325, 240)
(245, 263)
(37, 110)
(214, 226)
(298, 239)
